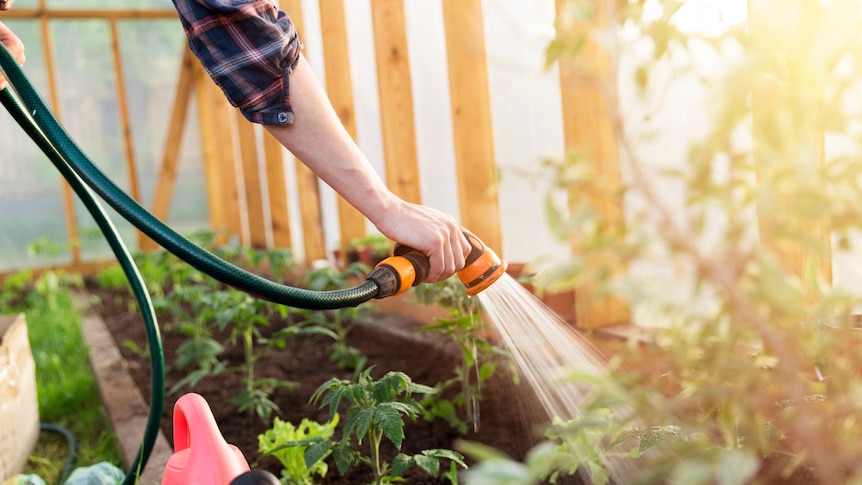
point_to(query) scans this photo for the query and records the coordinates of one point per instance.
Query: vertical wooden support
(306, 181)
(471, 120)
(396, 99)
(209, 148)
(588, 129)
(795, 157)
(125, 124)
(225, 158)
(339, 89)
(68, 199)
(251, 181)
(173, 142)
(277, 188)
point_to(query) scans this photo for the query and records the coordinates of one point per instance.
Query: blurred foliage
(750, 354)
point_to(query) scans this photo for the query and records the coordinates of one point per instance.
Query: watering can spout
(408, 267)
(201, 454)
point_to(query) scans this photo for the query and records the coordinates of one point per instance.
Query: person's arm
(319, 140)
(15, 46)
(251, 50)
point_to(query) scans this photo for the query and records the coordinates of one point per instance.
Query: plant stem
(248, 342)
(375, 437)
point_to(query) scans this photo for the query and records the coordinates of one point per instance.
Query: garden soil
(392, 342)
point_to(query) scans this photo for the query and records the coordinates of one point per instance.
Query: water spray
(408, 267)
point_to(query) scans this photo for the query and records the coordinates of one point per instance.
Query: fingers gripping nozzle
(409, 267)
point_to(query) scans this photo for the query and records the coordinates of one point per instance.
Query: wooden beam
(125, 124)
(791, 159)
(339, 89)
(48, 13)
(85, 268)
(396, 99)
(209, 149)
(273, 153)
(173, 142)
(224, 141)
(587, 128)
(307, 184)
(54, 94)
(251, 181)
(471, 120)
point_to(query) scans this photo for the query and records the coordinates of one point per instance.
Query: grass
(68, 396)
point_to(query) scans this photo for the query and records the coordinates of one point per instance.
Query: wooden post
(251, 181)
(793, 157)
(339, 89)
(131, 164)
(396, 99)
(471, 120)
(209, 148)
(173, 142)
(587, 128)
(306, 181)
(54, 93)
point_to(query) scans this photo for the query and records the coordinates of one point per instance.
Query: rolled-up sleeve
(249, 48)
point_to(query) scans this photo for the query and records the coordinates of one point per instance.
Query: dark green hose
(157, 360)
(158, 231)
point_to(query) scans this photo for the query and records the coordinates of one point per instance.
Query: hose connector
(409, 267)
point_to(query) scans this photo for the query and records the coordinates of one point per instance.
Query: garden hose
(71, 442)
(157, 361)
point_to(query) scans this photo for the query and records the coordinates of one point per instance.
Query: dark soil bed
(390, 342)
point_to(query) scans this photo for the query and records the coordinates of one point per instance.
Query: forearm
(319, 140)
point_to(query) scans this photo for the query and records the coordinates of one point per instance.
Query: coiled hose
(33, 115)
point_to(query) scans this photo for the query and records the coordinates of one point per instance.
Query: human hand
(15, 46)
(434, 233)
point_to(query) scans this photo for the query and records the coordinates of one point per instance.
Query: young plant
(298, 448)
(479, 357)
(376, 410)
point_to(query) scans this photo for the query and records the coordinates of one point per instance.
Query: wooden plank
(279, 209)
(137, 14)
(173, 142)
(83, 268)
(396, 99)
(125, 124)
(251, 181)
(307, 183)
(587, 128)
(224, 130)
(339, 89)
(806, 152)
(209, 149)
(471, 120)
(54, 95)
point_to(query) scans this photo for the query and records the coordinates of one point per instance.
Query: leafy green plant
(751, 348)
(479, 357)
(298, 448)
(376, 410)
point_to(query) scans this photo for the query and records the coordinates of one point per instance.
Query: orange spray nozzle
(408, 267)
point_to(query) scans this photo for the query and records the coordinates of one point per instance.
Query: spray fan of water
(546, 349)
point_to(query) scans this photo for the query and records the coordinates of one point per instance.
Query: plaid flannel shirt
(249, 48)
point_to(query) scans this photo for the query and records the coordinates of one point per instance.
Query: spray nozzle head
(408, 267)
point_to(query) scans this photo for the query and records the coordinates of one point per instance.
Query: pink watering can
(201, 454)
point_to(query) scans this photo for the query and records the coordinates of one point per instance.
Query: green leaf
(360, 422)
(344, 457)
(389, 421)
(428, 463)
(316, 452)
(401, 464)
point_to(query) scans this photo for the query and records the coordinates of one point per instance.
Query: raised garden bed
(390, 341)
